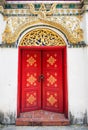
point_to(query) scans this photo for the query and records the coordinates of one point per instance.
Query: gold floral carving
(40, 37)
(42, 13)
(7, 36)
(31, 61)
(31, 99)
(31, 79)
(1, 8)
(51, 79)
(52, 100)
(51, 60)
(70, 26)
(10, 37)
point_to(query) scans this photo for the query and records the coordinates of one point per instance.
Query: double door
(42, 84)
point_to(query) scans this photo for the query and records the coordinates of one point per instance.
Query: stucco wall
(2, 27)
(77, 60)
(85, 27)
(8, 83)
(77, 65)
(77, 68)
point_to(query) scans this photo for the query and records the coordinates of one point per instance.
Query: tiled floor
(41, 117)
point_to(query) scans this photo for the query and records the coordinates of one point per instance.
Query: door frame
(65, 88)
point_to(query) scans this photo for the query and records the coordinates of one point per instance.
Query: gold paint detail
(1, 8)
(31, 99)
(51, 79)
(31, 61)
(42, 36)
(12, 31)
(31, 79)
(69, 25)
(52, 100)
(51, 60)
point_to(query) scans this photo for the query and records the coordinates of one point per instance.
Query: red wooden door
(52, 84)
(42, 80)
(31, 88)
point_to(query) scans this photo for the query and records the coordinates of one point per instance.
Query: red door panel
(52, 85)
(31, 88)
(42, 92)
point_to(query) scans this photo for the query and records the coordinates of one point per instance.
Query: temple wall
(85, 26)
(77, 73)
(77, 67)
(77, 61)
(2, 27)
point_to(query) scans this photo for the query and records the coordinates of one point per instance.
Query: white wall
(2, 27)
(8, 79)
(85, 26)
(78, 81)
(77, 62)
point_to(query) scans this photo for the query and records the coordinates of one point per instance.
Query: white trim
(25, 2)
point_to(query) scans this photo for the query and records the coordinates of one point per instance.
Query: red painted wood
(42, 47)
(64, 71)
(65, 88)
(31, 88)
(52, 85)
(19, 83)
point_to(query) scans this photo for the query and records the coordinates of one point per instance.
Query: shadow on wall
(7, 118)
(81, 120)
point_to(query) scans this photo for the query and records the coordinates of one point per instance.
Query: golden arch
(9, 37)
(42, 37)
(21, 29)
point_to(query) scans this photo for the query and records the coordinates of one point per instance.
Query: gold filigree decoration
(31, 61)
(42, 37)
(42, 12)
(31, 79)
(69, 25)
(1, 8)
(51, 60)
(51, 79)
(7, 36)
(52, 100)
(31, 99)
(17, 28)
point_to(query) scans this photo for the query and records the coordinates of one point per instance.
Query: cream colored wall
(77, 66)
(2, 27)
(77, 62)
(85, 26)
(8, 79)
(8, 83)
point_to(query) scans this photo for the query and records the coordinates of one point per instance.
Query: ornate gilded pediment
(42, 37)
(19, 20)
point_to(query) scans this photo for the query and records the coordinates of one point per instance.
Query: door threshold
(42, 118)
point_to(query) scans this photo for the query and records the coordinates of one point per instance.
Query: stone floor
(74, 127)
(41, 118)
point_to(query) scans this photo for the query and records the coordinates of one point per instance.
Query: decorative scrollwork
(42, 37)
